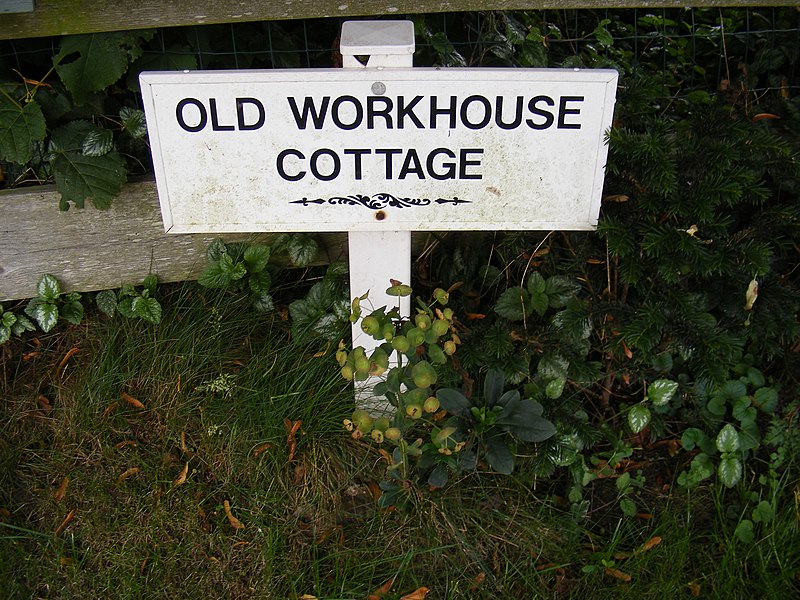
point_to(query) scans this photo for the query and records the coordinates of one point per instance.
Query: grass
(219, 392)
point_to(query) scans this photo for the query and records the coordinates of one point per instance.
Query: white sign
(365, 150)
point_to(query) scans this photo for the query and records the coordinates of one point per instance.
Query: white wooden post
(377, 256)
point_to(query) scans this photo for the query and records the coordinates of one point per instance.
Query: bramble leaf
(514, 304)
(133, 122)
(80, 177)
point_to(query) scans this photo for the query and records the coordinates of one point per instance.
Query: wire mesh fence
(755, 49)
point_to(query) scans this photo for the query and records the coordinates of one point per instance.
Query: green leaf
(8, 319)
(256, 257)
(216, 249)
(399, 290)
(744, 531)
(48, 288)
(661, 391)
(147, 309)
(729, 471)
(662, 362)
(133, 122)
(102, 58)
(5, 334)
(98, 142)
(22, 324)
(743, 411)
(692, 437)
(638, 417)
(763, 512)
(72, 312)
(107, 302)
(627, 506)
(260, 282)
(493, 386)
(536, 283)
(233, 269)
(552, 366)
(766, 399)
(514, 304)
(302, 249)
(623, 482)
(453, 402)
(174, 58)
(716, 406)
(755, 377)
(263, 302)
(560, 290)
(44, 313)
(602, 35)
(555, 388)
(150, 283)
(97, 178)
(498, 455)
(125, 307)
(21, 126)
(539, 302)
(438, 477)
(526, 423)
(727, 439)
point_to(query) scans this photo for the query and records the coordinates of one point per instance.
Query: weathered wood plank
(57, 17)
(91, 250)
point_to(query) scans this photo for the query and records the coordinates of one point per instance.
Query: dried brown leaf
(131, 400)
(617, 574)
(235, 523)
(181, 478)
(418, 594)
(694, 588)
(70, 353)
(650, 544)
(62, 489)
(65, 522)
(127, 474)
(258, 450)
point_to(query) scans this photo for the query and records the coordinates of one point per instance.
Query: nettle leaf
(514, 304)
(256, 257)
(638, 417)
(48, 288)
(5, 334)
(22, 324)
(21, 126)
(552, 366)
(150, 283)
(147, 309)
(215, 250)
(661, 391)
(133, 122)
(125, 308)
(729, 471)
(499, 456)
(44, 313)
(102, 58)
(260, 282)
(453, 402)
(302, 249)
(627, 506)
(72, 312)
(727, 439)
(107, 302)
(263, 302)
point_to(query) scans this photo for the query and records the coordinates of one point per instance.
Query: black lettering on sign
(202, 115)
(282, 171)
(309, 109)
(357, 154)
(539, 112)
(215, 119)
(337, 164)
(449, 110)
(498, 117)
(240, 114)
(465, 162)
(450, 172)
(373, 111)
(336, 113)
(411, 165)
(487, 112)
(563, 111)
(388, 153)
(407, 110)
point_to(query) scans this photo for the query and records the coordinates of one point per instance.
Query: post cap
(365, 38)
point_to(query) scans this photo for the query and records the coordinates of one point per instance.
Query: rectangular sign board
(370, 149)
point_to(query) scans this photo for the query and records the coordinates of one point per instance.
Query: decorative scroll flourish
(379, 201)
